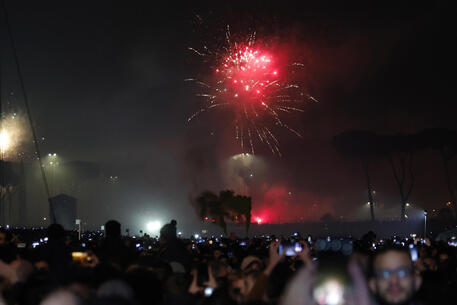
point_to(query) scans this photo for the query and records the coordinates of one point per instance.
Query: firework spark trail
(195, 51)
(249, 81)
(250, 141)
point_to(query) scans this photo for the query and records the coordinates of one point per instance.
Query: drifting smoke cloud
(273, 201)
(281, 204)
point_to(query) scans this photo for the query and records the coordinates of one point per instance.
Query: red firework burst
(247, 80)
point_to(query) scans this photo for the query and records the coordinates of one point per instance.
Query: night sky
(105, 84)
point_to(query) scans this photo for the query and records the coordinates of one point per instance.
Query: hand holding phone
(290, 249)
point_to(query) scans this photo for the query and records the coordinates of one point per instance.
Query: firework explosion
(11, 135)
(255, 86)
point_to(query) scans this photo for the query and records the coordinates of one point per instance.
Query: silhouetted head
(112, 228)
(5, 237)
(168, 231)
(56, 231)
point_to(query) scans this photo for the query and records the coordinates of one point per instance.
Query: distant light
(259, 220)
(4, 141)
(49, 155)
(55, 154)
(44, 218)
(407, 204)
(197, 236)
(179, 233)
(153, 226)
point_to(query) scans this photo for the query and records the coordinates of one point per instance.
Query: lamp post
(425, 224)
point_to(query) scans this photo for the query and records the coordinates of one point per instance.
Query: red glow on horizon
(280, 206)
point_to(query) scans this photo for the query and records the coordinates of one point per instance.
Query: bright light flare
(330, 292)
(11, 135)
(4, 141)
(153, 226)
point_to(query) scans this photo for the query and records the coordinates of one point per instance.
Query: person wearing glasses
(393, 278)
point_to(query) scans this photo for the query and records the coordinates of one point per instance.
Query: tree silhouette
(224, 208)
(399, 150)
(362, 145)
(445, 141)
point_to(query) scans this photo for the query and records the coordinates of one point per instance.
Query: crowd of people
(59, 267)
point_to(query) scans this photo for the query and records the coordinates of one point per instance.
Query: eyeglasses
(387, 274)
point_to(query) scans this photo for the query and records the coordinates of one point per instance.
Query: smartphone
(452, 243)
(208, 291)
(290, 249)
(413, 252)
(79, 257)
(330, 291)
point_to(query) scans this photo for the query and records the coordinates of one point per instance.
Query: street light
(425, 224)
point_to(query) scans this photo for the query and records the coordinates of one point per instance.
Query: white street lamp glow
(153, 226)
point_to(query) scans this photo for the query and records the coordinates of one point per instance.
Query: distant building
(62, 209)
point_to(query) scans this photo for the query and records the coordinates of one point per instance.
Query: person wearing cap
(258, 290)
(251, 263)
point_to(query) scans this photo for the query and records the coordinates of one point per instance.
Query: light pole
(425, 224)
